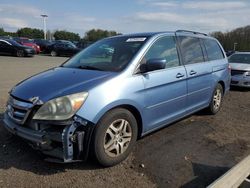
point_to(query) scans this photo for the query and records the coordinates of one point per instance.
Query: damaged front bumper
(240, 80)
(64, 142)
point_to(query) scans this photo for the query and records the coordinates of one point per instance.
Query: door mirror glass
(153, 64)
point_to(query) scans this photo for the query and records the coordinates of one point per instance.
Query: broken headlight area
(67, 142)
(60, 141)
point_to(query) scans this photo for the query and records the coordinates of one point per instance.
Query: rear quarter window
(213, 49)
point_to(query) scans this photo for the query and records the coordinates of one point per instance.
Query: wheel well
(223, 85)
(137, 115)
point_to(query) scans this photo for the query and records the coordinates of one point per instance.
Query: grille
(18, 110)
(237, 72)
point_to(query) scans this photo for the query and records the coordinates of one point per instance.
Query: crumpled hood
(59, 82)
(240, 66)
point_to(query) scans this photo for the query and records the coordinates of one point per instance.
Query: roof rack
(194, 32)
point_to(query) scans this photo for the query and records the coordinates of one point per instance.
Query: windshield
(111, 54)
(71, 45)
(27, 40)
(240, 58)
(14, 43)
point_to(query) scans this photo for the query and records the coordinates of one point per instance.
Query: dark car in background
(27, 42)
(62, 49)
(11, 47)
(240, 69)
(42, 43)
(83, 45)
(230, 52)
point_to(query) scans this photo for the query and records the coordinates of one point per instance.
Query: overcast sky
(125, 16)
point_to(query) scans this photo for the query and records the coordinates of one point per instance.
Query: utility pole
(235, 44)
(44, 16)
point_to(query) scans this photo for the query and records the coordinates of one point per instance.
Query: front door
(165, 89)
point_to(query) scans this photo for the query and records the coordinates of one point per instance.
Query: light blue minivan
(118, 89)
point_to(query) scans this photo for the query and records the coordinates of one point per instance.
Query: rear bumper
(61, 143)
(241, 81)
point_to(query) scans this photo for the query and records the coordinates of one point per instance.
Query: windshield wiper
(88, 67)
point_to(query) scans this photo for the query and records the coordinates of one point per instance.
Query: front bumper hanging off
(62, 143)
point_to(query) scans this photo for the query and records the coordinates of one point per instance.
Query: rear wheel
(53, 53)
(216, 100)
(114, 137)
(20, 53)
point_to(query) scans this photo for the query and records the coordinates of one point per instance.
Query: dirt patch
(199, 149)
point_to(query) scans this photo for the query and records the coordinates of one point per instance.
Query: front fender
(112, 105)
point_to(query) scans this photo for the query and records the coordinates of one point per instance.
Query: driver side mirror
(153, 64)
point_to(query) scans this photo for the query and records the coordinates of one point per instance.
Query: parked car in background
(42, 43)
(230, 52)
(27, 42)
(6, 37)
(11, 47)
(62, 49)
(83, 45)
(240, 69)
(103, 102)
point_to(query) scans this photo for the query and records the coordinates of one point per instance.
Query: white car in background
(240, 69)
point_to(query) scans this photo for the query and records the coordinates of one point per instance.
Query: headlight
(61, 108)
(247, 73)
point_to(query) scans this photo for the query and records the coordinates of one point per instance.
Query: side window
(214, 51)
(164, 48)
(191, 50)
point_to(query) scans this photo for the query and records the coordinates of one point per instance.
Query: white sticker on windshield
(138, 39)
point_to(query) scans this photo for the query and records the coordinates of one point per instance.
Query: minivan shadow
(204, 175)
(15, 152)
(239, 89)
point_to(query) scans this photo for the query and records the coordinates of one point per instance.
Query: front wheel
(53, 53)
(216, 100)
(114, 137)
(20, 53)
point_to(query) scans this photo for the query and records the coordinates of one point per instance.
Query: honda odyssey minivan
(115, 91)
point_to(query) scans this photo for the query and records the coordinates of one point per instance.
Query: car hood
(240, 66)
(58, 82)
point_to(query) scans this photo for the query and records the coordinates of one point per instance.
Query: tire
(114, 137)
(53, 53)
(20, 53)
(216, 101)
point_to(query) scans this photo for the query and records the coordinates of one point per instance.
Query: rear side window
(191, 50)
(214, 51)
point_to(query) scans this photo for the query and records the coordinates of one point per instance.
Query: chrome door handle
(179, 75)
(192, 72)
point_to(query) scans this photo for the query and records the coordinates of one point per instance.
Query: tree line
(33, 33)
(238, 38)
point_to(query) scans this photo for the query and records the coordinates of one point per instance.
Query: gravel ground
(189, 153)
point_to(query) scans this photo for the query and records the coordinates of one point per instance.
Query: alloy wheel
(217, 99)
(117, 137)
(20, 53)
